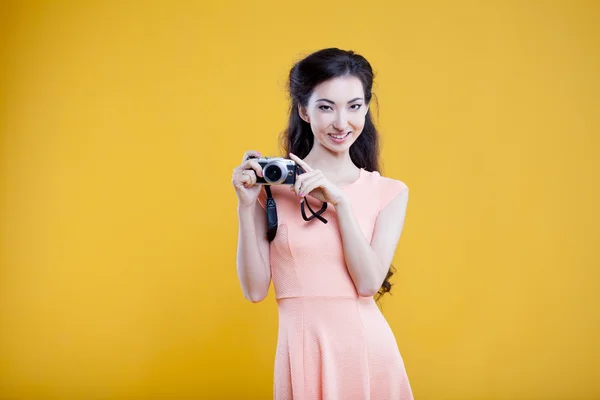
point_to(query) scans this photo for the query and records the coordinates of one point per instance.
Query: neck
(333, 164)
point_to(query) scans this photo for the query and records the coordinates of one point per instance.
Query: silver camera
(277, 171)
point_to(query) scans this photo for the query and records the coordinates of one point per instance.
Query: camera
(277, 171)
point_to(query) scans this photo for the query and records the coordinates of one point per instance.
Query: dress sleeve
(391, 189)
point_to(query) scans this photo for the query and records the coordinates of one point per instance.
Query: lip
(339, 140)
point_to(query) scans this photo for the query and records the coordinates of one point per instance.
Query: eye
(324, 108)
(355, 106)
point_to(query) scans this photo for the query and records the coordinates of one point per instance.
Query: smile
(339, 138)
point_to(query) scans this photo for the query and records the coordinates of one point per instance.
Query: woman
(333, 342)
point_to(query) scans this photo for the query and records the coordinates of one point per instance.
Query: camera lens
(273, 173)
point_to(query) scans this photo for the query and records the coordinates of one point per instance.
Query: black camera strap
(314, 214)
(272, 214)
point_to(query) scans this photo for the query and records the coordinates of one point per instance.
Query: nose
(341, 121)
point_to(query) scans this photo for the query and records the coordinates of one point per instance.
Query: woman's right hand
(244, 179)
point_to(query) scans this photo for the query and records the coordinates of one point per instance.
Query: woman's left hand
(314, 183)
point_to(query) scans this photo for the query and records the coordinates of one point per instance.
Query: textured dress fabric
(332, 343)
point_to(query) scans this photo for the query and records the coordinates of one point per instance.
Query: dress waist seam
(322, 297)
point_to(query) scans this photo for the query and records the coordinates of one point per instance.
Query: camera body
(277, 171)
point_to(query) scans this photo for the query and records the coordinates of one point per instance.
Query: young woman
(333, 342)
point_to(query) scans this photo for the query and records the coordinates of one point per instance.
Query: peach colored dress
(332, 343)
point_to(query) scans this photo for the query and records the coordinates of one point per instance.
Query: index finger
(254, 165)
(251, 153)
(301, 163)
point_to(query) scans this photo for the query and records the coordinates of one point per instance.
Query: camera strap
(314, 214)
(305, 201)
(272, 213)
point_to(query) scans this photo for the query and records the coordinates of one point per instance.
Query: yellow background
(121, 122)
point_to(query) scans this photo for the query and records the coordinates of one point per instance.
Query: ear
(303, 114)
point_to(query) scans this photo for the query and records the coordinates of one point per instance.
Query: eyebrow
(331, 102)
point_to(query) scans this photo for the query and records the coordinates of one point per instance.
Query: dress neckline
(361, 173)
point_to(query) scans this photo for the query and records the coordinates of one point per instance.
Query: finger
(301, 163)
(240, 179)
(303, 190)
(247, 180)
(252, 165)
(237, 182)
(251, 153)
(309, 188)
(310, 184)
(302, 178)
(252, 175)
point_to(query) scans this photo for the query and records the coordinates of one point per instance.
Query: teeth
(340, 137)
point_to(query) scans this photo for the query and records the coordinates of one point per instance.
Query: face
(336, 112)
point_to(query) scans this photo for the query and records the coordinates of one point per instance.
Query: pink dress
(332, 343)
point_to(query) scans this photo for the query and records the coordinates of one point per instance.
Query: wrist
(343, 202)
(246, 208)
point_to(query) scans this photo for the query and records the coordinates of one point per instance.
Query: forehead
(339, 90)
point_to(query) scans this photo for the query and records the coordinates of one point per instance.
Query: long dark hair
(298, 138)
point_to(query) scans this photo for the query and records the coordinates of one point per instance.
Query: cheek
(357, 122)
(321, 122)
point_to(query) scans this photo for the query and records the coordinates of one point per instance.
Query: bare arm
(368, 263)
(253, 266)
